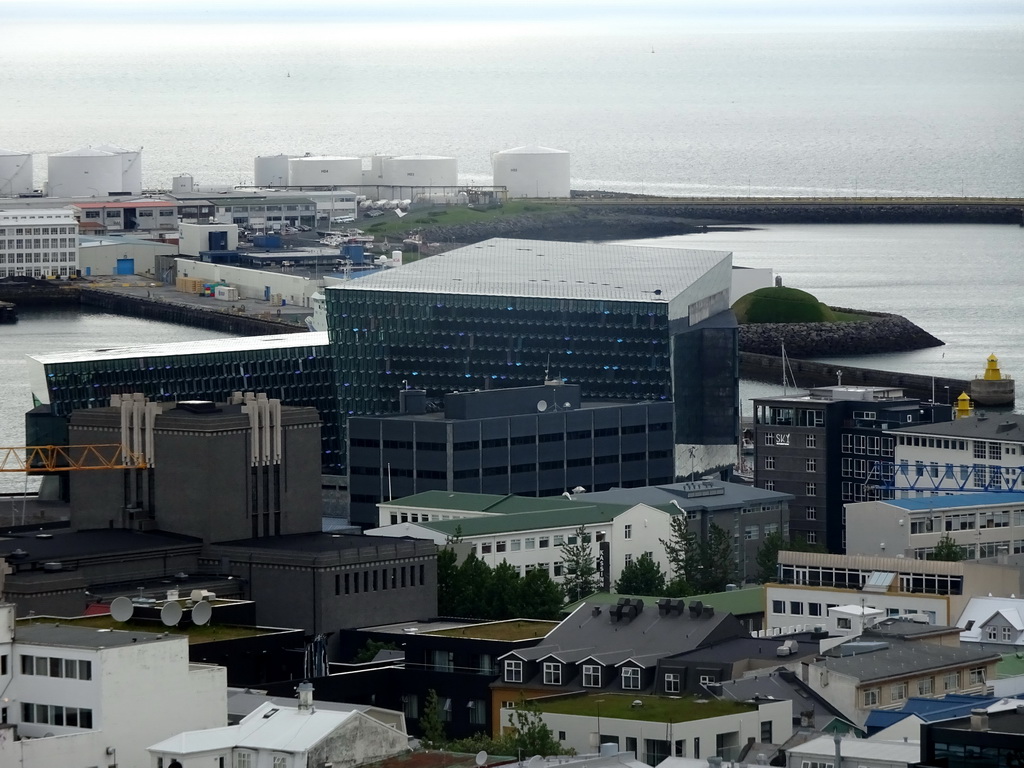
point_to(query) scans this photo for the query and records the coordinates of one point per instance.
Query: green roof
(586, 514)
(737, 602)
(486, 502)
(513, 629)
(659, 709)
(1011, 665)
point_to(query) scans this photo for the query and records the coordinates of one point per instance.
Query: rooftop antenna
(839, 377)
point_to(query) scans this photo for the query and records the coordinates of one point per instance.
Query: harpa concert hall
(626, 323)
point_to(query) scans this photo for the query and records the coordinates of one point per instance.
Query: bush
(782, 305)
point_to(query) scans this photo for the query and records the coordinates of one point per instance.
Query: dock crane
(61, 458)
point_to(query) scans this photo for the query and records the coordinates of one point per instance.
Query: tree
(448, 597)
(370, 650)
(947, 549)
(539, 596)
(506, 592)
(768, 553)
(642, 576)
(683, 556)
(531, 735)
(474, 579)
(717, 563)
(581, 578)
(431, 723)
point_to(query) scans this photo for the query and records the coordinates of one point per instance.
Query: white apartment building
(38, 243)
(810, 584)
(988, 526)
(973, 454)
(617, 533)
(81, 697)
(993, 620)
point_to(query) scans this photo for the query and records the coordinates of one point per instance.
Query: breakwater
(155, 309)
(808, 373)
(880, 333)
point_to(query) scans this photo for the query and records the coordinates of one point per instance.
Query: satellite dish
(201, 613)
(122, 609)
(542, 406)
(170, 614)
(481, 757)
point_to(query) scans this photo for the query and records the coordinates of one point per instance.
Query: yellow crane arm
(59, 458)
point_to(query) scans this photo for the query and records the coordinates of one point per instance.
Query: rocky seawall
(882, 333)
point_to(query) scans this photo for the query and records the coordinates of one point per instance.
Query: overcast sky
(539, 12)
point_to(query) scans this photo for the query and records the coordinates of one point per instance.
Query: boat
(993, 387)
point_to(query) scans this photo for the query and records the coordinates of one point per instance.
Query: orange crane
(60, 458)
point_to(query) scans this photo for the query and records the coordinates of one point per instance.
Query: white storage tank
(183, 184)
(271, 170)
(15, 173)
(131, 167)
(84, 172)
(421, 171)
(532, 171)
(325, 171)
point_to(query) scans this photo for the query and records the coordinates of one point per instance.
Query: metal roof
(190, 348)
(864, 749)
(585, 514)
(959, 500)
(738, 602)
(735, 495)
(1003, 426)
(895, 658)
(540, 268)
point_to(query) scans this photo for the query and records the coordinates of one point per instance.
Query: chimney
(979, 720)
(305, 690)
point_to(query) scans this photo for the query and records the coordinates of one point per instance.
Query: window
(443, 661)
(1007, 634)
(991, 633)
(844, 623)
(811, 441)
(811, 513)
(531, 543)
(630, 679)
(591, 676)
(796, 608)
(769, 462)
(811, 537)
(898, 692)
(810, 489)
(280, 761)
(778, 606)
(766, 731)
(627, 532)
(951, 681)
(769, 485)
(816, 764)
(750, 532)
(477, 712)
(814, 609)
(672, 682)
(976, 676)
(811, 465)
(513, 671)
(552, 673)
(871, 696)
(925, 686)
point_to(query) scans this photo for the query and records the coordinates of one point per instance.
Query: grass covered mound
(782, 305)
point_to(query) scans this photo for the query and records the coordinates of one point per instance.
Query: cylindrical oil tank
(84, 172)
(271, 170)
(15, 173)
(532, 171)
(131, 167)
(421, 171)
(325, 171)
(182, 184)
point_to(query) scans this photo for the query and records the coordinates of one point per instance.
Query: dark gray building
(323, 582)
(213, 471)
(748, 514)
(821, 448)
(529, 441)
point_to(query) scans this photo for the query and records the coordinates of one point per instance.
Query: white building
(76, 696)
(529, 540)
(277, 736)
(121, 255)
(811, 583)
(976, 453)
(196, 238)
(853, 753)
(684, 734)
(40, 242)
(987, 526)
(993, 620)
(256, 284)
(532, 171)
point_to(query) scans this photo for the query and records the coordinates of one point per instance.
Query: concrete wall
(196, 237)
(822, 596)
(101, 259)
(252, 283)
(358, 741)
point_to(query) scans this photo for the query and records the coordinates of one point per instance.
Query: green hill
(782, 305)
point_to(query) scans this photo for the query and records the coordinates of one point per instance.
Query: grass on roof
(208, 633)
(519, 629)
(445, 216)
(659, 709)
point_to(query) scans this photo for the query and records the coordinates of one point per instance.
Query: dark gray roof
(590, 632)
(784, 685)
(882, 660)
(741, 648)
(79, 544)
(897, 627)
(44, 633)
(734, 495)
(1002, 426)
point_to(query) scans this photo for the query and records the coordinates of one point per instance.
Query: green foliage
(474, 590)
(768, 553)
(448, 584)
(642, 576)
(581, 577)
(431, 724)
(370, 650)
(781, 305)
(698, 566)
(947, 549)
(530, 734)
